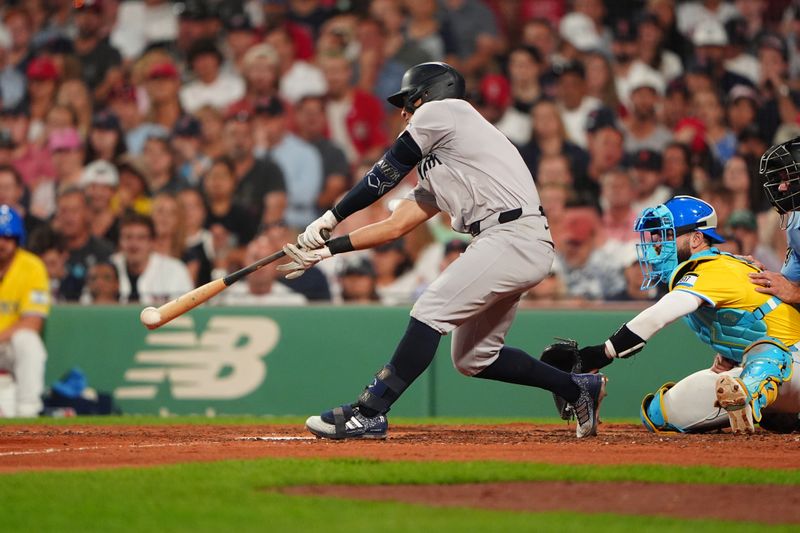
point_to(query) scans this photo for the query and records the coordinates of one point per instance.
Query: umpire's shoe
(347, 422)
(587, 407)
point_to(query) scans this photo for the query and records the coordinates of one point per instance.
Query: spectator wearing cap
(12, 82)
(146, 23)
(299, 161)
(617, 194)
(12, 192)
(624, 48)
(494, 103)
(642, 127)
(710, 49)
(355, 117)
(690, 15)
(43, 77)
(590, 271)
(651, 47)
(66, 148)
(159, 160)
(312, 127)
(744, 226)
(134, 192)
(100, 61)
(260, 69)
(741, 108)
(475, 39)
(646, 170)
(99, 182)
(573, 101)
(260, 185)
(73, 220)
(187, 144)
(211, 86)
(675, 105)
(123, 103)
(297, 77)
(263, 286)
(578, 36)
(240, 36)
(395, 281)
(162, 82)
(606, 150)
(739, 59)
(719, 138)
(357, 280)
(106, 140)
(549, 138)
(196, 20)
(779, 100)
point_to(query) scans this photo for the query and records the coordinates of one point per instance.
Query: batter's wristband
(340, 245)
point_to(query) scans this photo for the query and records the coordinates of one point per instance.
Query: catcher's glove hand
(564, 355)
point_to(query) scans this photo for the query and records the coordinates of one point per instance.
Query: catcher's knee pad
(767, 363)
(654, 416)
(385, 388)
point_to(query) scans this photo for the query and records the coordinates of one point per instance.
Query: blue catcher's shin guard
(767, 363)
(653, 414)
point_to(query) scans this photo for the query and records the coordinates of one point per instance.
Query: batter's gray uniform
(472, 172)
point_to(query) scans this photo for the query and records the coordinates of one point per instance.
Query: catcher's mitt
(563, 354)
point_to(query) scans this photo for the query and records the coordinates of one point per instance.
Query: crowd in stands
(152, 146)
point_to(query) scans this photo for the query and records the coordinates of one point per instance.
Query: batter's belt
(502, 217)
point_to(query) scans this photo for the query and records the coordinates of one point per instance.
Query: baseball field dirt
(42, 447)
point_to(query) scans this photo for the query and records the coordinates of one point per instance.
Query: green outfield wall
(298, 361)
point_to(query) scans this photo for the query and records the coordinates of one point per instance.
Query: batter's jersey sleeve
(421, 196)
(432, 125)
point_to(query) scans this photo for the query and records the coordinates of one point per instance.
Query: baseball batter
(468, 169)
(756, 336)
(24, 305)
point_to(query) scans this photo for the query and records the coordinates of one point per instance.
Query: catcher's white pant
(24, 356)
(476, 296)
(689, 405)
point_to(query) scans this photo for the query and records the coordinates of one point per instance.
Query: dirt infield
(36, 447)
(64, 447)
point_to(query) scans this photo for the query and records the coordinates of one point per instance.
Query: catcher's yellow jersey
(722, 282)
(24, 290)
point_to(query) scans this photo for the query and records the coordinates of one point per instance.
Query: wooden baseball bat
(154, 318)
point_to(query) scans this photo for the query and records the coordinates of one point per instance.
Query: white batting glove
(312, 237)
(301, 260)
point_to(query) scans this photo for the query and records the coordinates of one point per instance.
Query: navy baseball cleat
(587, 407)
(347, 422)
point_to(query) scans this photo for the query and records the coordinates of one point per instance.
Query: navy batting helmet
(428, 82)
(11, 224)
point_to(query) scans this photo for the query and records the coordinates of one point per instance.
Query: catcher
(755, 335)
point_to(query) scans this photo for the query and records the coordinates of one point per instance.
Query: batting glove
(313, 238)
(301, 260)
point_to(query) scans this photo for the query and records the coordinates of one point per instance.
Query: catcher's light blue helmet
(660, 226)
(11, 224)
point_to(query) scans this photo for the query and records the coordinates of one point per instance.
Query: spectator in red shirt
(355, 117)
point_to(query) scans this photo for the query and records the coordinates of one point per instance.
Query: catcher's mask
(428, 82)
(780, 175)
(660, 226)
